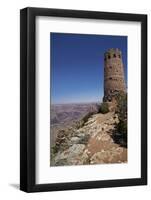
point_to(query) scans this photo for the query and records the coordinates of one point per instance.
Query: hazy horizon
(62, 103)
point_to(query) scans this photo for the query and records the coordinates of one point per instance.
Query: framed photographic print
(83, 99)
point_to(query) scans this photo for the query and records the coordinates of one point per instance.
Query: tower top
(113, 53)
(113, 50)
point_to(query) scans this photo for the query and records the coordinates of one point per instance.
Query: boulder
(74, 140)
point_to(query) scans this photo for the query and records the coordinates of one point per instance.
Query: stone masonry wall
(113, 74)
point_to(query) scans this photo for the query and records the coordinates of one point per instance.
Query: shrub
(54, 149)
(120, 134)
(104, 108)
(121, 108)
(121, 128)
(84, 140)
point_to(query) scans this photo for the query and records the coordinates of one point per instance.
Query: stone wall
(114, 80)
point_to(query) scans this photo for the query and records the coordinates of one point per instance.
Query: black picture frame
(28, 99)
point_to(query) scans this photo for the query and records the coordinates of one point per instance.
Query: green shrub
(121, 127)
(121, 108)
(120, 134)
(84, 140)
(104, 108)
(54, 149)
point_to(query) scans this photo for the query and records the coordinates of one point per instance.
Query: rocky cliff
(91, 143)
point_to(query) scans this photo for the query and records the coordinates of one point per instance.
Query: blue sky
(77, 62)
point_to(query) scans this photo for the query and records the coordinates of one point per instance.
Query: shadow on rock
(119, 138)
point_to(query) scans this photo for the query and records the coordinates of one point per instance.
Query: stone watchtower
(114, 81)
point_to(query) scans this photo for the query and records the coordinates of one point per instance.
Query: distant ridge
(78, 103)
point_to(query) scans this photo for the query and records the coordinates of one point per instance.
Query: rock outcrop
(90, 144)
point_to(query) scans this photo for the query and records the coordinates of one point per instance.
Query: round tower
(114, 81)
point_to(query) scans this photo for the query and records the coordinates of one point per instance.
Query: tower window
(114, 55)
(109, 56)
(110, 78)
(110, 67)
(119, 56)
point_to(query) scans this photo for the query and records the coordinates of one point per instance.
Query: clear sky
(77, 62)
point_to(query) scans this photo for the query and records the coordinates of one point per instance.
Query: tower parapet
(114, 81)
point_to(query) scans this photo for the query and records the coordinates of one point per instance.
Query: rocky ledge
(90, 144)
